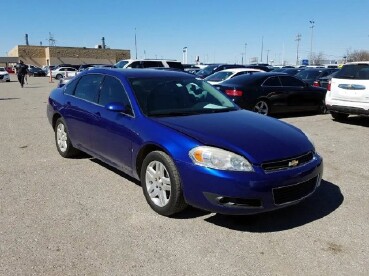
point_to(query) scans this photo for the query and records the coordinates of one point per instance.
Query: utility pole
(298, 39)
(311, 40)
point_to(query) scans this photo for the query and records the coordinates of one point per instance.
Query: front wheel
(59, 76)
(62, 140)
(262, 107)
(339, 116)
(161, 184)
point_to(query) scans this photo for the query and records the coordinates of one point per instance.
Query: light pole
(185, 55)
(268, 56)
(135, 43)
(298, 38)
(245, 54)
(311, 40)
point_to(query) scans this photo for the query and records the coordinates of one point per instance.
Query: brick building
(54, 55)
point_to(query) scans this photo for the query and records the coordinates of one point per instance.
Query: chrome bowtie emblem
(293, 163)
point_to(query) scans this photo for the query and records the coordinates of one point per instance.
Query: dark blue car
(186, 142)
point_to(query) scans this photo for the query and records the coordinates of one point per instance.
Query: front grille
(287, 194)
(241, 202)
(287, 163)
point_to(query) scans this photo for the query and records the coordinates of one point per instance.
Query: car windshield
(207, 70)
(219, 76)
(308, 74)
(2, 69)
(121, 64)
(168, 96)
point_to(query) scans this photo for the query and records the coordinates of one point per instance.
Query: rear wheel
(339, 116)
(161, 184)
(262, 107)
(63, 143)
(59, 76)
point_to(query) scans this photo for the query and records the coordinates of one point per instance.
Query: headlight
(219, 159)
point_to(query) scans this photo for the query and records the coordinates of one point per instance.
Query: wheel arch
(144, 151)
(55, 118)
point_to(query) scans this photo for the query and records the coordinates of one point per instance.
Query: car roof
(141, 73)
(236, 70)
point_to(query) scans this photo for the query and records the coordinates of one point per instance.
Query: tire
(323, 108)
(339, 116)
(161, 184)
(59, 76)
(62, 141)
(262, 107)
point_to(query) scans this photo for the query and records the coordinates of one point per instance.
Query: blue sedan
(187, 142)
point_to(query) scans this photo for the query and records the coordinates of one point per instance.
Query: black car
(312, 74)
(268, 93)
(262, 66)
(212, 68)
(292, 71)
(323, 81)
(36, 72)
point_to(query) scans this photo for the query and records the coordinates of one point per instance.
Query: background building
(55, 55)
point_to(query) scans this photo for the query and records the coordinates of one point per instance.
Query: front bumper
(249, 192)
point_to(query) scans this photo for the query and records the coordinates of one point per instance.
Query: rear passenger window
(88, 87)
(69, 87)
(291, 81)
(150, 64)
(272, 81)
(112, 91)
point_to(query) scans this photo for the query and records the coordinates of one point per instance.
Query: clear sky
(214, 30)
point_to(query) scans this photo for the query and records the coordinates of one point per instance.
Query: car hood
(257, 137)
(4, 73)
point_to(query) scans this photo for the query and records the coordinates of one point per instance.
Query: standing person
(21, 72)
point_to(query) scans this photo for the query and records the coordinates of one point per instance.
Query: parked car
(268, 93)
(324, 81)
(291, 71)
(226, 74)
(213, 68)
(46, 68)
(310, 75)
(10, 70)
(264, 67)
(348, 91)
(148, 63)
(36, 72)
(62, 72)
(89, 66)
(4, 75)
(185, 141)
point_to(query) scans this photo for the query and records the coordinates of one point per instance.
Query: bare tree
(358, 55)
(318, 58)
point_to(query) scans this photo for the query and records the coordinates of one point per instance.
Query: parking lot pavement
(78, 216)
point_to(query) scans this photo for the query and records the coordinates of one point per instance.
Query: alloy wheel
(158, 183)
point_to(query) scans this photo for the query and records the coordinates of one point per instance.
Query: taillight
(316, 83)
(329, 86)
(234, 92)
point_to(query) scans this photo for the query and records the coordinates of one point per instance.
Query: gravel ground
(79, 217)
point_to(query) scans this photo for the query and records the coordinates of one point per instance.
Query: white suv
(149, 63)
(348, 91)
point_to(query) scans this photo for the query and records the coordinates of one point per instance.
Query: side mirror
(116, 107)
(119, 107)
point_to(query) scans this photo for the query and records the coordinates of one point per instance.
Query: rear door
(351, 83)
(299, 96)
